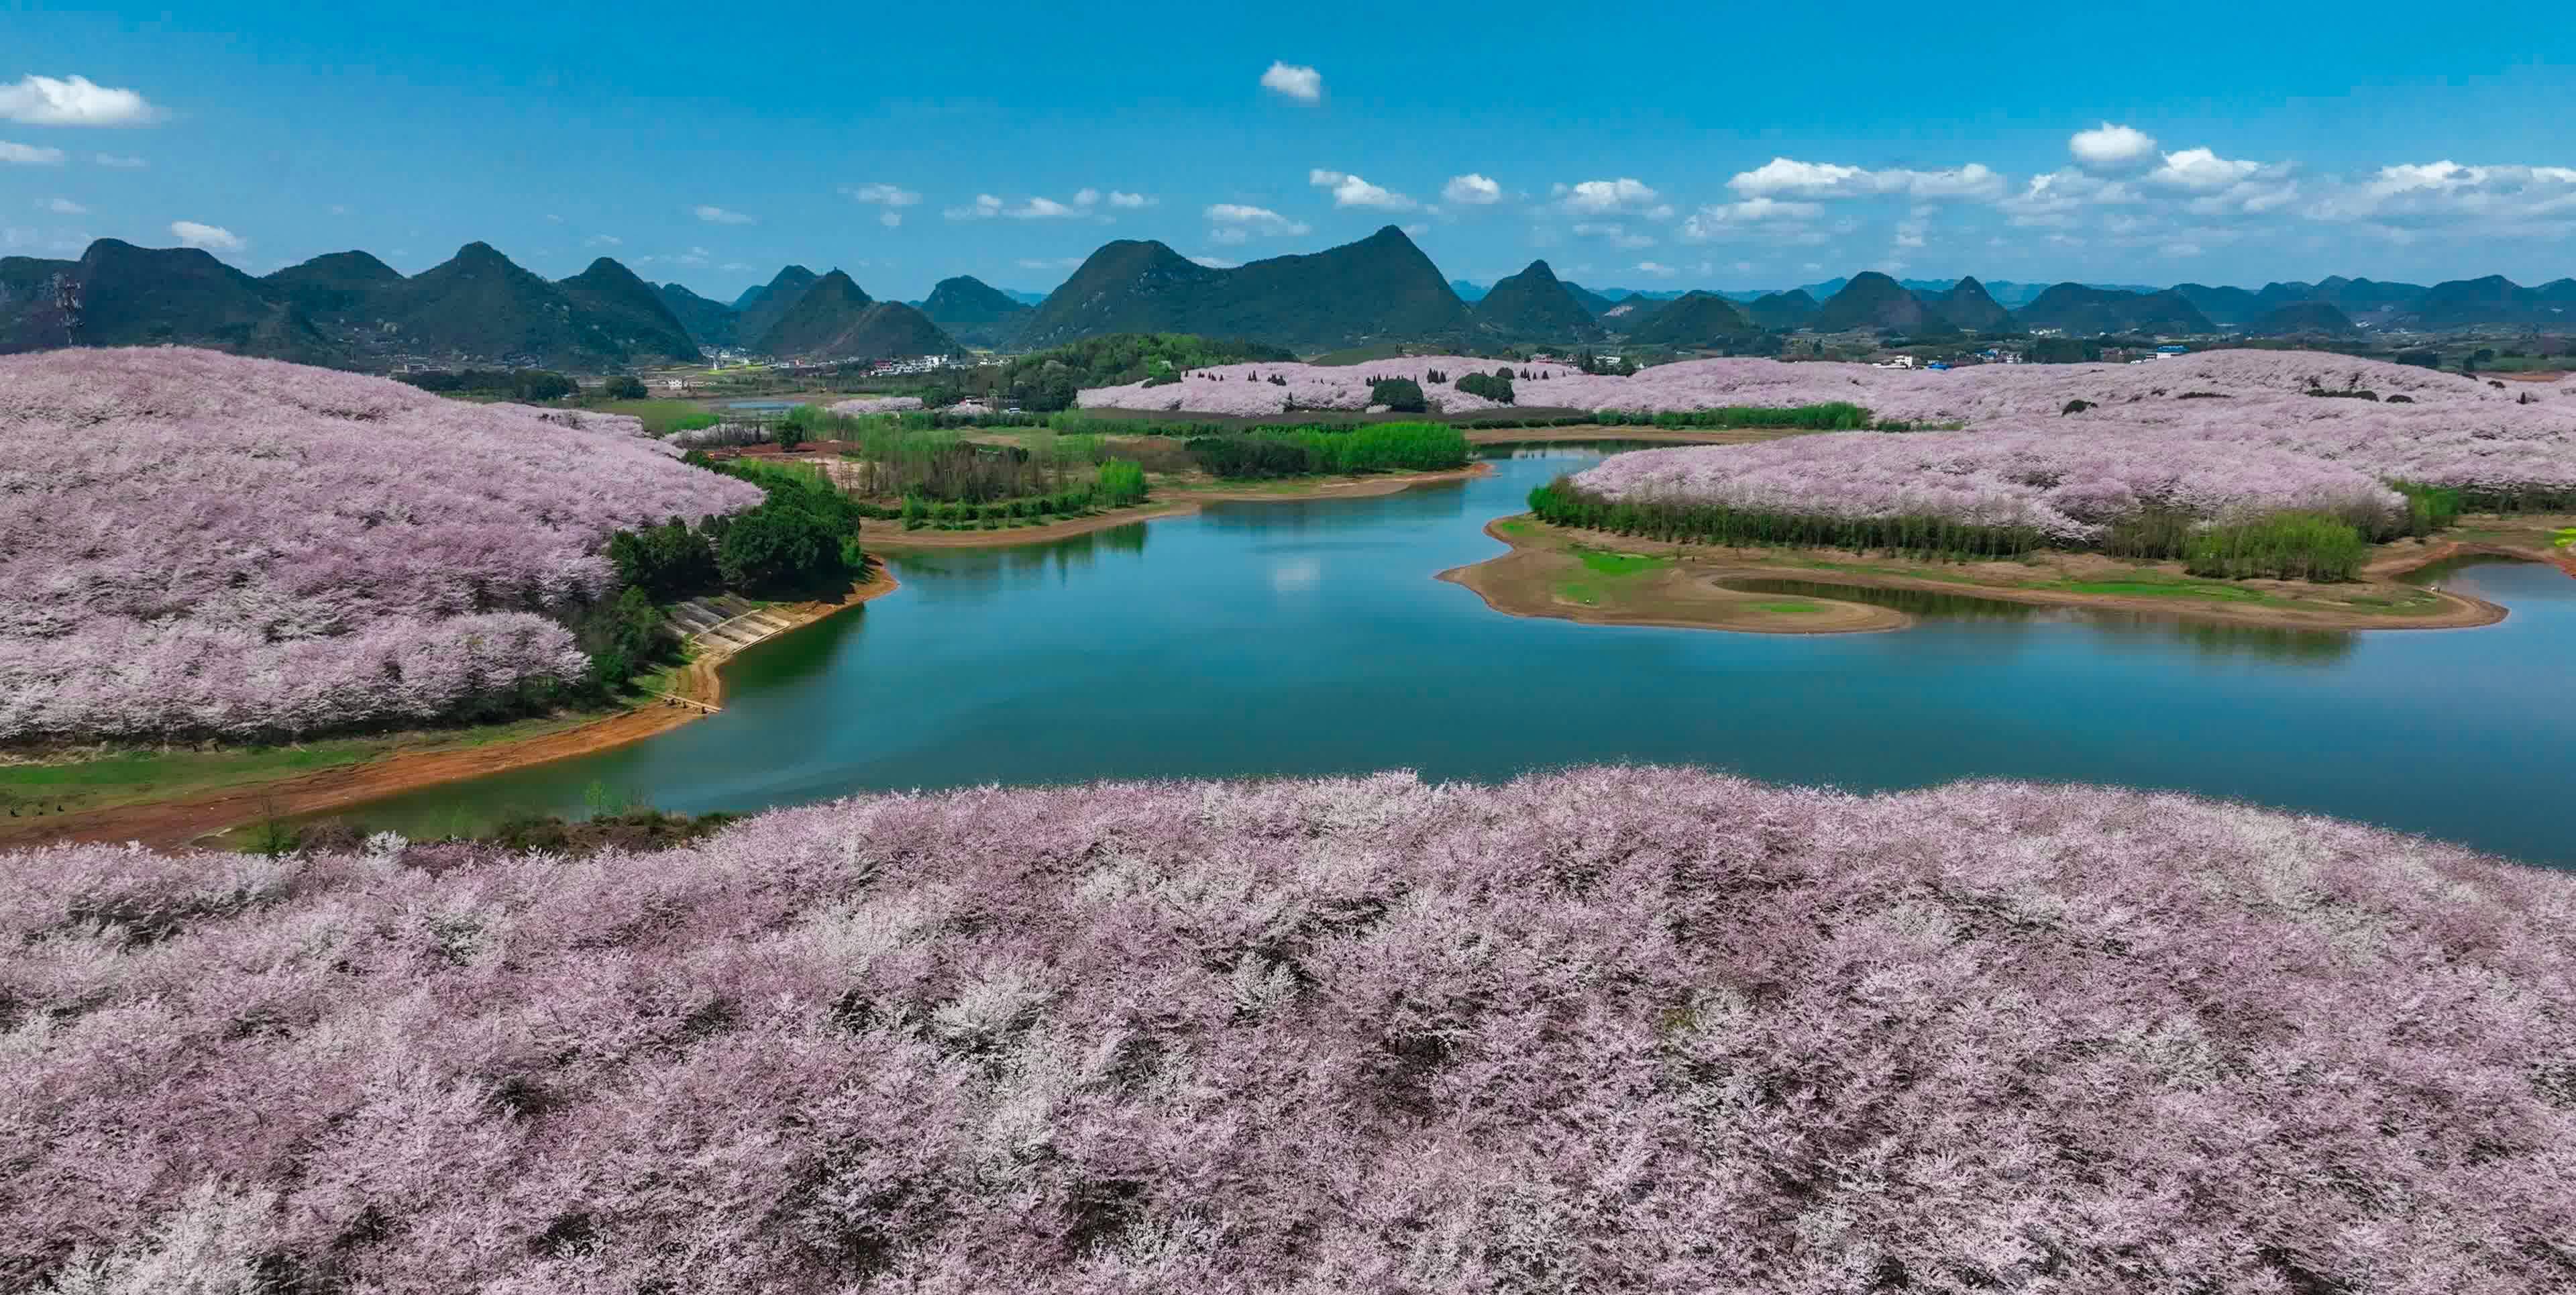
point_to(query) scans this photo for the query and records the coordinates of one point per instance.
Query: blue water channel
(1309, 637)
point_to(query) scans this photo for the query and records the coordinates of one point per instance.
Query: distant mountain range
(349, 309)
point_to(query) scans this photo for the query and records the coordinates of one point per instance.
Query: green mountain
(1590, 300)
(2365, 296)
(136, 296)
(334, 283)
(629, 312)
(2304, 319)
(2081, 311)
(1694, 319)
(29, 318)
(1629, 311)
(1966, 304)
(762, 307)
(975, 313)
(2228, 307)
(835, 320)
(1791, 309)
(1872, 301)
(2466, 303)
(1379, 288)
(710, 323)
(1535, 305)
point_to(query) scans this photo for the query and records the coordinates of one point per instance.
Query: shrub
(1401, 395)
(1496, 387)
(623, 387)
(1120, 482)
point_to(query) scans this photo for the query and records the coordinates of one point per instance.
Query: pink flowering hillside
(878, 405)
(2067, 489)
(201, 545)
(1608, 1030)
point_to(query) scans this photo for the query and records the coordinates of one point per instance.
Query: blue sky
(1649, 145)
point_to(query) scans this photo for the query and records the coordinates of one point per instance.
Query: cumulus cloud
(1471, 190)
(1215, 262)
(2051, 201)
(1782, 176)
(2111, 148)
(2501, 200)
(1658, 270)
(1615, 232)
(122, 162)
(1623, 196)
(986, 207)
(1352, 191)
(603, 240)
(213, 238)
(1131, 201)
(890, 219)
(63, 207)
(881, 194)
(720, 216)
(1769, 218)
(1303, 84)
(29, 155)
(2201, 169)
(73, 101)
(1235, 222)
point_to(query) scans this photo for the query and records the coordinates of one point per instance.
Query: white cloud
(1622, 196)
(553, 219)
(890, 219)
(73, 101)
(1659, 271)
(2201, 169)
(1769, 220)
(720, 216)
(2111, 148)
(1616, 233)
(986, 207)
(735, 265)
(1086, 197)
(1303, 84)
(1041, 209)
(1216, 262)
(1417, 229)
(29, 154)
(1793, 178)
(1120, 198)
(1237, 222)
(122, 163)
(1471, 190)
(63, 207)
(213, 238)
(1909, 234)
(603, 240)
(883, 195)
(2502, 200)
(2179, 250)
(1059, 263)
(1352, 191)
(2051, 200)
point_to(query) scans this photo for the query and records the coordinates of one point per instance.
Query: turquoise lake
(1310, 637)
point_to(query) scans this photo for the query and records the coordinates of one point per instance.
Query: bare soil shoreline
(891, 537)
(182, 821)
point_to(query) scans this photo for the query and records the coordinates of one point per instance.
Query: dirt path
(174, 824)
(1527, 581)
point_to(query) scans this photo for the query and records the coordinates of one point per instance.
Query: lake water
(1310, 637)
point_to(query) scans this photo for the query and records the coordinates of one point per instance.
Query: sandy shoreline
(1694, 593)
(182, 821)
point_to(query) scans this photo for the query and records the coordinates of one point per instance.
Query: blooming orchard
(195, 544)
(2069, 489)
(1612, 1029)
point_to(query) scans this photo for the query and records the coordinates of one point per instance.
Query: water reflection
(2207, 638)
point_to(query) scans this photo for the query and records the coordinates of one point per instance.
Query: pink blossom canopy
(198, 544)
(1606, 1030)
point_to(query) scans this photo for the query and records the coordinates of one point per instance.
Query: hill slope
(710, 323)
(136, 296)
(1791, 309)
(1693, 319)
(2303, 318)
(762, 307)
(336, 283)
(1535, 305)
(1871, 301)
(836, 320)
(2081, 311)
(1966, 304)
(628, 312)
(1381, 287)
(974, 312)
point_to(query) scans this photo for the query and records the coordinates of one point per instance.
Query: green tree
(623, 387)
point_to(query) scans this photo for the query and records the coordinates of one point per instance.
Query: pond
(1309, 637)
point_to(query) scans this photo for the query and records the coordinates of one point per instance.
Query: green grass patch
(1788, 609)
(661, 417)
(2158, 589)
(1578, 591)
(1603, 562)
(1516, 528)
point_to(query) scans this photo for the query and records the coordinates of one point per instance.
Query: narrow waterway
(1310, 637)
